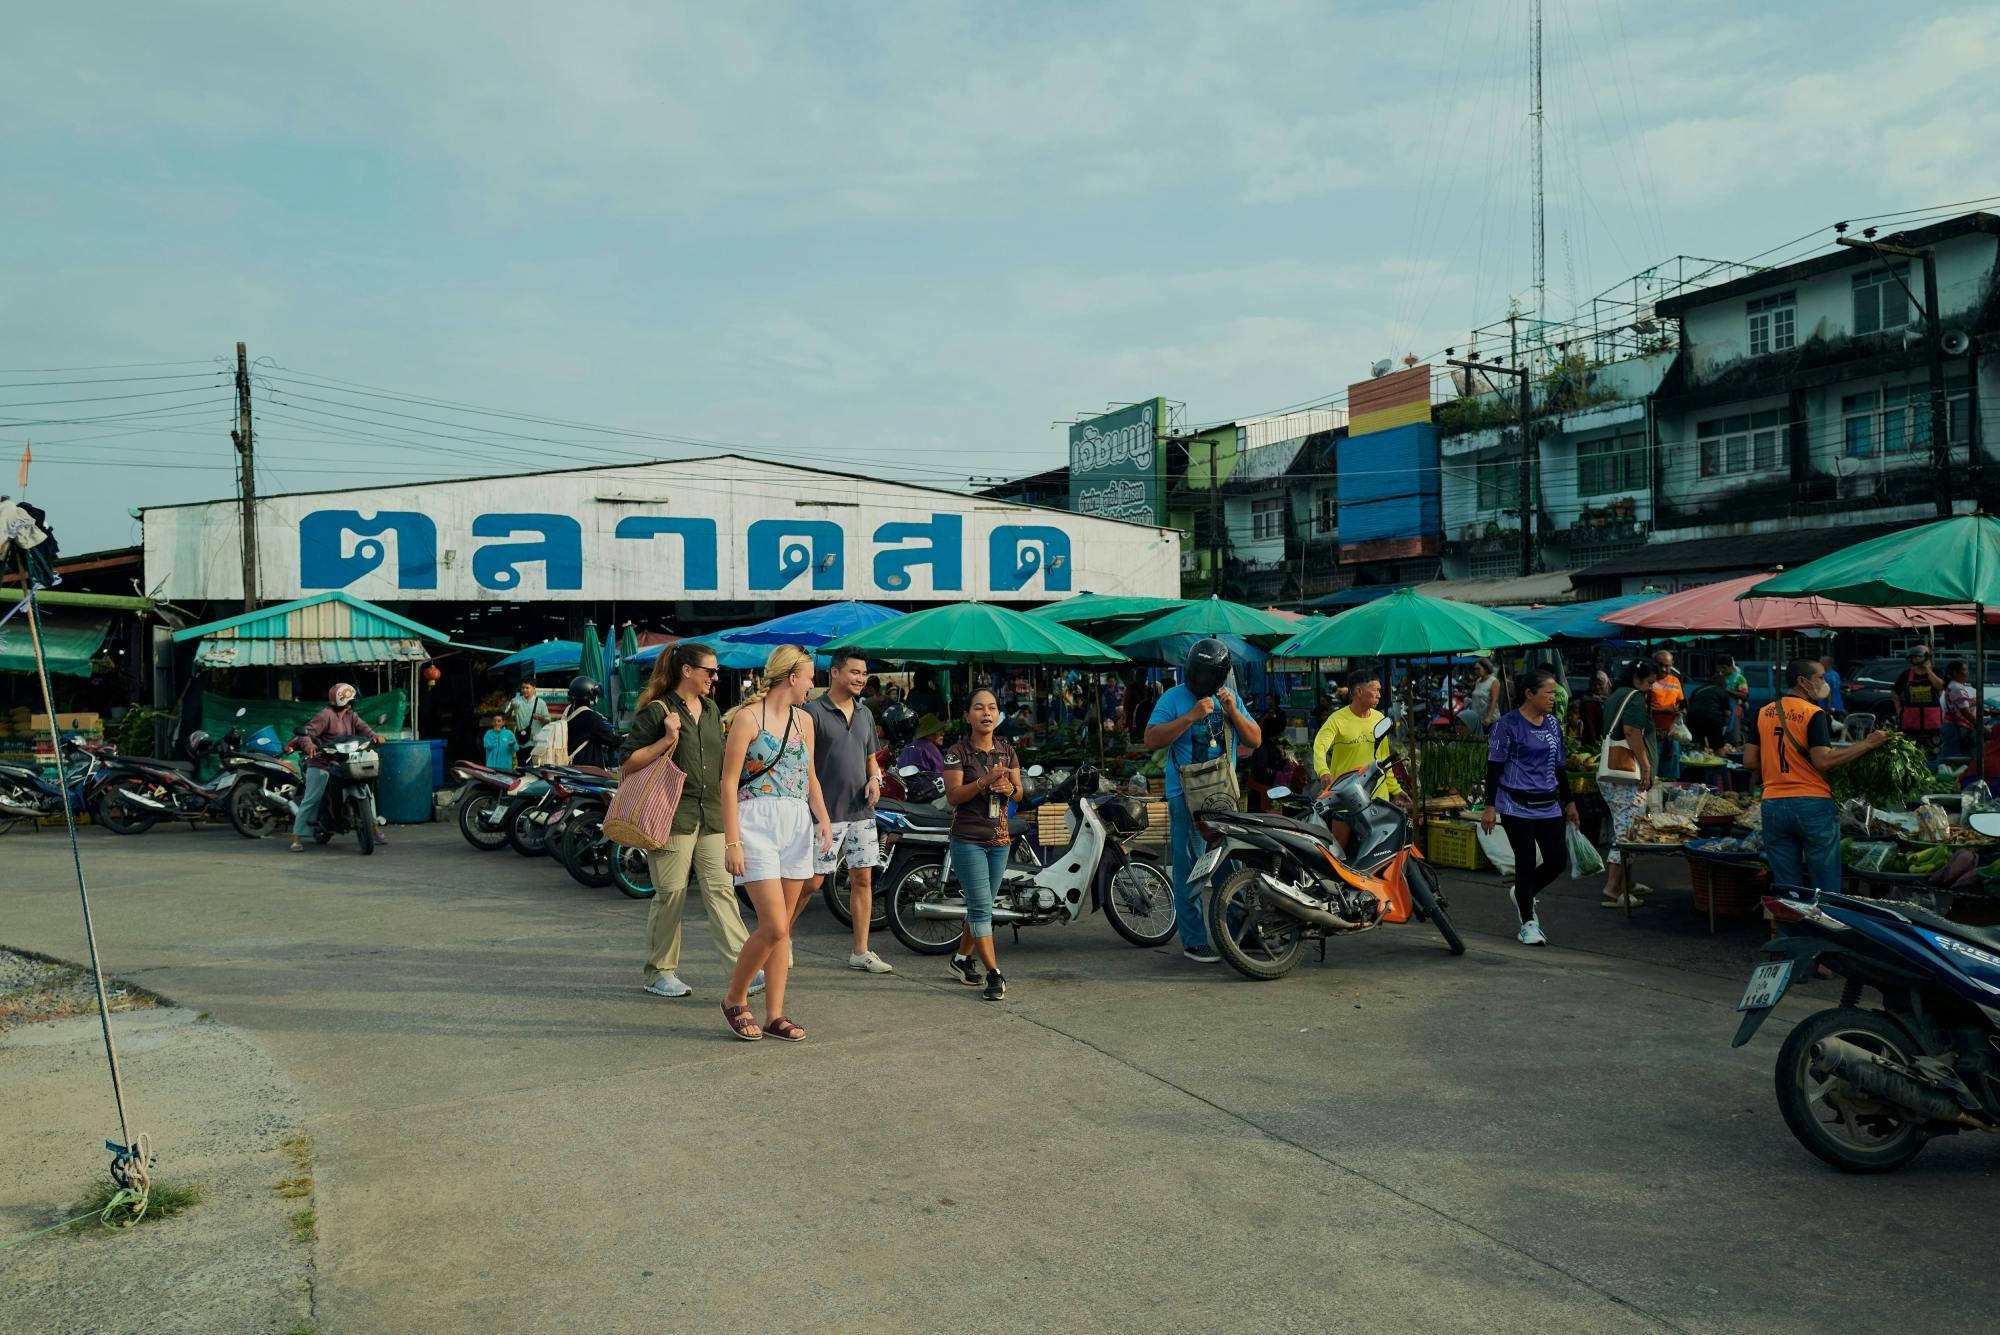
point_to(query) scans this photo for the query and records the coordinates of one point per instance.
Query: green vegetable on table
(1893, 773)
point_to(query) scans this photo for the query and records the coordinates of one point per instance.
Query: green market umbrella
(630, 674)
(1210, 617)
(1408, 624)
(1949, 562)
(1101, 608)
(981, 633)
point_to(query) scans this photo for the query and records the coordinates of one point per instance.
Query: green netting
(383, 713)
(68, 643)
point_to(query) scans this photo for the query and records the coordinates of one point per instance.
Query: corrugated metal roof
(234, 652)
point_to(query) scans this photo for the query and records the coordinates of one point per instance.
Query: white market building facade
(722, 530)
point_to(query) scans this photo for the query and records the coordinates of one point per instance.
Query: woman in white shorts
(772, 815)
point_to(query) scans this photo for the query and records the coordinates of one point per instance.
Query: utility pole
(246, 485)
(1214, 526)
(1524, 412)
(1933, 348)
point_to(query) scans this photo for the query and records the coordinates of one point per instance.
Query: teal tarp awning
(69, 642)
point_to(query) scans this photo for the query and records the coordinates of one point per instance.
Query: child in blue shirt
(501, 745)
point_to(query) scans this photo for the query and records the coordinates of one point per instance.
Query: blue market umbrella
(548, 656)
(1579, 621)
(824, 624)
(1172, 650)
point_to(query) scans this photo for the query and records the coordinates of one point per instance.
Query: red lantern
(431, 674)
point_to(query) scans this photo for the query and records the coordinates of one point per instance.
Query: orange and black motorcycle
(1276, 882)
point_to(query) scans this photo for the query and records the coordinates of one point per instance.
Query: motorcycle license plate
(1207, 865)
(1767, 984)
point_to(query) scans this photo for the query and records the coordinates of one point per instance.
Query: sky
(901, 239)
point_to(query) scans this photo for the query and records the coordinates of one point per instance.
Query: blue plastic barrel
(437, 762)
(403, 789)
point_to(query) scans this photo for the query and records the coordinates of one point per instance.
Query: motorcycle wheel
(1140, 904)
(1819, 1109)
(841, 905)
(922, 881)
(586, 854)
(630, 874)
(1429, 900)
(114, 815)
(472, 823)
(252, 814)
(364, 821)
(1259, 941)
(525, 835)
(16, 795)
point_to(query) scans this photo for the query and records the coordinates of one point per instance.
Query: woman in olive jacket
(678, 716)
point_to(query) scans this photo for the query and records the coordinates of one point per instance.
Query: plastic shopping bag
(1493, 843)
(1583, 858)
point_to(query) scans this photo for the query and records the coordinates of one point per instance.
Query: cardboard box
(67, 723)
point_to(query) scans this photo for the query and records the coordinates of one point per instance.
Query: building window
(1745, 443)
(1896, 419)
(1267, 519)
(1325, 520)
(1880, 301)
(1499, 484)
(1611, 466)
(1773, 324)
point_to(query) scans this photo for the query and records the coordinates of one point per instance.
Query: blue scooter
(26, 795)
(1865, 1089)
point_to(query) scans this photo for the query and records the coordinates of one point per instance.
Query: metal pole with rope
(132, 1155)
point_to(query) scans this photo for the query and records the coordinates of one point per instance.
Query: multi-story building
(1256, 500)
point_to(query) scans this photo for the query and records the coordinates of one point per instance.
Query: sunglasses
(713, 673)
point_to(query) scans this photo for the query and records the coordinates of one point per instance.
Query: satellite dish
(1381, 368)
(1956, 344)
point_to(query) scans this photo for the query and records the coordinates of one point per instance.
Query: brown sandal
(741, 1024)
(779, 1026)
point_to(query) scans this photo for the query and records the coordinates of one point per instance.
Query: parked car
(1866, 686)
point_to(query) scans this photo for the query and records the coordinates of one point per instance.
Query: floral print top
(775, 766)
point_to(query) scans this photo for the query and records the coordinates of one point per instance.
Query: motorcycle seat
(918, 813)
(1986, 938)
(1273, 820)
(150, 762)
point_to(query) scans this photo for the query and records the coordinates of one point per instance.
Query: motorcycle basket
(361, 765)
(1123, 816)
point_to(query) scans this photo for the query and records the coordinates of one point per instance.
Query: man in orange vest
(1792, 748)
(1668, 702)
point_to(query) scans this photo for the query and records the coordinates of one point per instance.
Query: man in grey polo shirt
(844, 746)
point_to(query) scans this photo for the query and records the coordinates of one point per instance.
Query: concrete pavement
(513, 1137)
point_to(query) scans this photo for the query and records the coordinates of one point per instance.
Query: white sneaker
(1531, 933)
(666, 985)
(756, 984)
(869, 962)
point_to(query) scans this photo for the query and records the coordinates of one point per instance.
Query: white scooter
(927, 906)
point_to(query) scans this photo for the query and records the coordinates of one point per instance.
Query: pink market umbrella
(1720, 608)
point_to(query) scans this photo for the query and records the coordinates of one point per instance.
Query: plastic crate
(1737, 891)
(1454, 843)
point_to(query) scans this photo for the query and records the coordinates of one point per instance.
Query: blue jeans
(1957, 740)
(978, 868)
(1669, 766)
(1802, 841)
(1186, 845)
(316, 779)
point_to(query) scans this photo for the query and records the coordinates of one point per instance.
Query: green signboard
(1115, 464)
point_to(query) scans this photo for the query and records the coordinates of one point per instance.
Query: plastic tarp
(1579, 621)
(69, 642)
(384, 713)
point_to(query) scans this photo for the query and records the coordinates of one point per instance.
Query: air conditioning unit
(1189, 563)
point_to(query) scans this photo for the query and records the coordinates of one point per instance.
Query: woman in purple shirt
(1524, 766)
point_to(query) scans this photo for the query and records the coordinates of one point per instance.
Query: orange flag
(27, 457)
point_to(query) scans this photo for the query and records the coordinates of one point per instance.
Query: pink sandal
(741, 1024)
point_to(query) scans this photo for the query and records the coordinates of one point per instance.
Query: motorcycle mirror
(1034, 771)
(1986, 823)
(1279, 794)
(241, 711)
(1384, 726)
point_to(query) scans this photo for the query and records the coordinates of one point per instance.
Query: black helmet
(1207, 667)
(583, 691)
(899, 723)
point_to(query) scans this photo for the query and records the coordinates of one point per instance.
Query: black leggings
(1526, 834)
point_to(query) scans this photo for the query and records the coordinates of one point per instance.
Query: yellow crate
(1454, 843)
(1051, 825)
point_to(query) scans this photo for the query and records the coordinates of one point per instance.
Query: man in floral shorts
(850, 779)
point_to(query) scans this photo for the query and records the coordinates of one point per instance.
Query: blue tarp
(1359, 594)
(548, 656)
(1578, 621)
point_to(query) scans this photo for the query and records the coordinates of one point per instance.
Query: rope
(132, 1160)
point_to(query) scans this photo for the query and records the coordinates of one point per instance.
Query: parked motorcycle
(536, 802)
(134, 793)
(26, 795)
(268, 788)
(1866, 1089)
(1289, 881)
(481, 802)
(1096, 870)
(577, 833)
(349, 804)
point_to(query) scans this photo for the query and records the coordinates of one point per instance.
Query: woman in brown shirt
(981, 776)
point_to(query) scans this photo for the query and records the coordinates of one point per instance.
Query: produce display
(1661, 828)
(1719, 804)
(1697, 756)
(1894, 772)
(1750, 845)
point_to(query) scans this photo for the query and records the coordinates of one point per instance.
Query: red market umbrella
(1721, 608)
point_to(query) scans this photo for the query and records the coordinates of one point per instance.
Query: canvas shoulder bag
(642, 810)
(1211, 785)
(1616, 761)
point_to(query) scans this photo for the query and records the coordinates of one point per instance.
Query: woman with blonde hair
(772, 811)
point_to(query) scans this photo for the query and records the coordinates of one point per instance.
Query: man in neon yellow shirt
(1346, 741)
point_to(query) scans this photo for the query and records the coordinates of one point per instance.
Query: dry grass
(66, 990)
(166, 1200)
